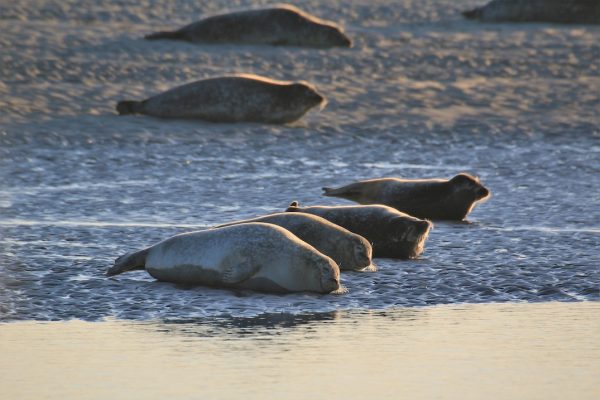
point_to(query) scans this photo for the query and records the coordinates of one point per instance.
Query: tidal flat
(502, 306)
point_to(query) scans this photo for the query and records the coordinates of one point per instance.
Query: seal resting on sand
(284, 25)
(240, 98)
(554, 11)
(349, 250)
(254, 256)
(392, 233)
(436, 199)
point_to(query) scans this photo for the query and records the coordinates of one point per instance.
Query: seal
(392, 233)
(350, 251)
(255, 256)
(435, 199)
(554, 11)
(240, 98)
(284, 25)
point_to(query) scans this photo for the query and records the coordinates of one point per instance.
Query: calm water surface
(500, 351)
(421, 94)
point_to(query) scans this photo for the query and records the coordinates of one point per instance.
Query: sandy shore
(497, 351)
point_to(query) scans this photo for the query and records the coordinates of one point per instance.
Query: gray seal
(392, 234)
(285, 25)
(436, 199)
(253, 256)
(350, 251)
(553, 11)
(240, 98)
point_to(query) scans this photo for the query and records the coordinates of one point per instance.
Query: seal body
(254, 256)
(349, 250)
(280, 26)
(242, 98)
(392, 233)
(436, 199)
(554, 11)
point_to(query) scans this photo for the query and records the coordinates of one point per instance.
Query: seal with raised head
(255, 256)
(349, 250)
(393, 234)
(436, 199)
(553, 11)
(284, 25)
(240, 98)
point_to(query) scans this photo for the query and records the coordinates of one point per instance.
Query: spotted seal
(349, 250)
(254, 256)
(392, 234)
(554, 11)
(239, 98)
(436, 199)
(284, 25)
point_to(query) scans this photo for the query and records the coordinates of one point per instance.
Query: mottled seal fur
(254, 256)
(392, 233)
(240, 98)
(554, 11)
(349, 250)
(284, 25)
(436, 199)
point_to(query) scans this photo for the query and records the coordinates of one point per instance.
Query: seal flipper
(341, 192)
(472, 14)
(173, 35)
(129, 262)
(129, 107)
(294, 206)
(239, 273)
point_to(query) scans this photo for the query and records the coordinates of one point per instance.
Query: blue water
(421, 94)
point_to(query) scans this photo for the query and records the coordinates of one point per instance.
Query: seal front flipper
(240, 273)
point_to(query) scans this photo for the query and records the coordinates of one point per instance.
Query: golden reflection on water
(494, 351)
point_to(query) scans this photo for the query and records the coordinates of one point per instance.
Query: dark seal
(553, 11)
(392, 233)
(279, 26)
(436, 199)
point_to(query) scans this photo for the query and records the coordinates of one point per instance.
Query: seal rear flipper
(173, 35)
(128, 107)
(239, 273)
(129, 262)
(472, 14)
(343, 191)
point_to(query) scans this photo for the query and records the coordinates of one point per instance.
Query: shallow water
(422, 93)
(500, 351)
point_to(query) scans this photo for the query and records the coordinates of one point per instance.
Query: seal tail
(174, 35)
(343, 191)
(129, 262)
(128, 107)
(472, 14)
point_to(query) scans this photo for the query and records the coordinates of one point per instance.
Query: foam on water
(421, 94)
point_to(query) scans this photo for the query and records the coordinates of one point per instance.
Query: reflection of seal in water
(557, 11)
(349, 250)
(253, 256)
(284, 26)
(392, 233)
(241, 98)
(423, 198)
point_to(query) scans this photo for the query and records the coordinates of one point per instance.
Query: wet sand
(497, 351)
